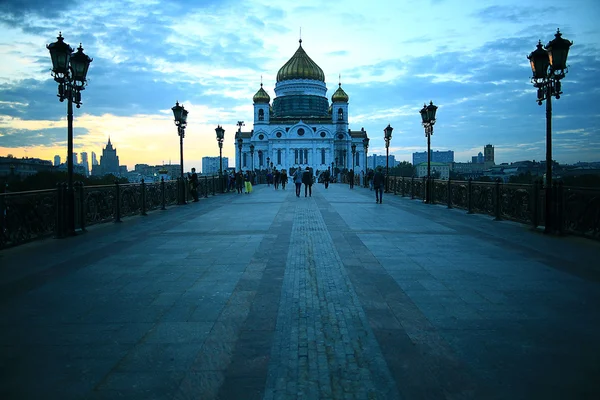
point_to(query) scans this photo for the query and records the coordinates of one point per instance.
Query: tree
(403, 169)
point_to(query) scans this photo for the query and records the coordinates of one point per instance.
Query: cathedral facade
(300, 128)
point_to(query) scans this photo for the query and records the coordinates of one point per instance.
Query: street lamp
(220, 136)
(388, 137)
(268, 164)
(549, 66)
(240, 142)
(428, 120)
(180, 114)
(69, 71)
(353, 154)
(366, 147)
(252, 156)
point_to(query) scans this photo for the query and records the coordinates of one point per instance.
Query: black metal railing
(577, 210)
(31, 215)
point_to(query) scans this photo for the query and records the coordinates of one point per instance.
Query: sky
(467, 56)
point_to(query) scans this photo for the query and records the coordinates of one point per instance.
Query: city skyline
(470, 60)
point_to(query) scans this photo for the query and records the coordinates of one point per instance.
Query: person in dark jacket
(351, 178)
(326, 178)
(378, 182)
(194, 184)
(284, 178)
(239, 182)
(307, 179)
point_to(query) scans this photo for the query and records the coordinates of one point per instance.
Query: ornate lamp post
(180, 114)
(549, 66)
(353, 154)
(69, 71)
(388, 137)
(366, 147)
(220, 136)
(252, 156)
(268, 163)
(240, 142)
(428, 120)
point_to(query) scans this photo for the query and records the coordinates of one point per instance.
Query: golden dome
(340, 95)
(261, 96)
(300, 66)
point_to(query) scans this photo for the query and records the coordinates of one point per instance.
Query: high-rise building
(84, 163)
(375, 161)
(94, 159)
(210, 165)
(488, 154)
(435, 156)
(56, 160)
(75, 161)
(109, 161)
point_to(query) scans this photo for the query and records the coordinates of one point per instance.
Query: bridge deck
(277, 297)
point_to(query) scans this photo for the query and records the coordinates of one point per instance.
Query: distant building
(488, 155)
(109, 162)
(375, 161)
(94, 159)
(446, 157)
(75, 161)
(442, 168)
(56, 160)
(85, 164)
(468, 170)
(23, 167)
(210, 165)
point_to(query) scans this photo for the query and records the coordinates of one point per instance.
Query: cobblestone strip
(323, 346)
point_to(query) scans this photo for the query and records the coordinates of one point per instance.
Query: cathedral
(300, 128)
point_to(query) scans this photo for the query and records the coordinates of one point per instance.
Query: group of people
(277, 177)
(243, 181)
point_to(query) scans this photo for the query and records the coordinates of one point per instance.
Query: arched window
(261, 115)
(340, 114)
(322, 156)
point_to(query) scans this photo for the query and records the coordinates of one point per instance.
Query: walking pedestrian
(351, 178)
(193, 178)
(326, 178)
(284, 179)
(307, 179)
(276, 178)
(298, 181)
(248, 182)
(239, 181)
(378, 182)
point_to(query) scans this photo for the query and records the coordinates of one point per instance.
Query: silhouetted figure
(351, 178)
(298, 181)
(284, 179)
(239, 182)
(307, 179)
(193, 178)
(378, 182)
(326, 178)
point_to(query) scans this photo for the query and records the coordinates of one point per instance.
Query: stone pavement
(269, 296)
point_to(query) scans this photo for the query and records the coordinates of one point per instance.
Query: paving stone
(329, 297)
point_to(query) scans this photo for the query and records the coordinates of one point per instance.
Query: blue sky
(468, 56)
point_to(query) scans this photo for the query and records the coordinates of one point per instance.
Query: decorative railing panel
(460, 194)
(25, 216)
(581, 211)
(516, 202)
(99, 204)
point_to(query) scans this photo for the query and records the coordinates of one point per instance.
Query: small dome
(261, 96)
(340, 95)
(300, 66)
